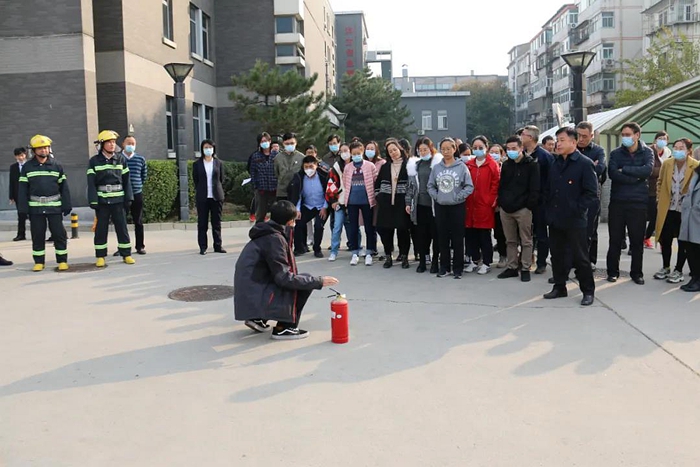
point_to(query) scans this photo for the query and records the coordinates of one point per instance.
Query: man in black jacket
(518, 197)
(15, 171)
(570, 193)
(629, 168)
(588, 148)
(307, 191)
(266, 282)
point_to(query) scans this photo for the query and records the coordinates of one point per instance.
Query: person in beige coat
(672, 187)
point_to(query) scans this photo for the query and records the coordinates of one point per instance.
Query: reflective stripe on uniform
(61, 252)
(98, 168)
(39, 253)
(47, 173)
(113, 194)
(23, 179)
(90, 171)
(124, 245)
(62, 179)
(35, 204)
(125, 170)
(101, 247)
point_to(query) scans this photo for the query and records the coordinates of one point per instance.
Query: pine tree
(281, 102)
(373, 107)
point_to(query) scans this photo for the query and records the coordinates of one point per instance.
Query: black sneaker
(525, 276)
(257, 325)
(434, 268)
(508, 273)
(289, 334)
(458, 276)
(442, 274)
(318, 254)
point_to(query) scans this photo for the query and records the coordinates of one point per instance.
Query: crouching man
(266, 283)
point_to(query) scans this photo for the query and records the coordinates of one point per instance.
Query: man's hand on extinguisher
(329, 281)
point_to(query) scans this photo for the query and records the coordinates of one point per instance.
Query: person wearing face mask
(287, 164)
(421, 206)
(307, 191)
(333, 154)
(43, 196)
(498, 153)
(465, 152)
(359, 181)
(629, 169)
(518, 197)
(138, 173)
(690, 231)
(110, 195)
(481, 207)
(672, 187)
(335, 195)
(262, 174)
(208, 177)
(15, 171)
(662, 152)
(267, 282)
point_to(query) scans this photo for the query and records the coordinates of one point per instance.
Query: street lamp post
(578, 62)
(178, 72)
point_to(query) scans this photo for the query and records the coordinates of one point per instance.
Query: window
(209, 122)
(168, 19)
(170, 122)
(285, 68)
(196, 125)
(608, 19)
(442, 119)
(284, 24)
(285, 50)
(608, 51)
(427, 118)
(608, 83)
(200, 26)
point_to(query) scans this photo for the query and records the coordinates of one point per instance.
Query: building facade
(519, 82)
(351, 35)
(73, 67)
(441, 83)
(680, 17)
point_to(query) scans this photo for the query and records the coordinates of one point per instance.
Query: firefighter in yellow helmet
(109, 194)
(44, 195)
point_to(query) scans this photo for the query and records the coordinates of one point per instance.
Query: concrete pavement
(102, 369)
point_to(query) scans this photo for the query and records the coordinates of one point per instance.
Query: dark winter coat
(544, 161)
(520, 185)
(572, 189)
(630, 175)
(392, 216)
(199, 177)
(266, 281)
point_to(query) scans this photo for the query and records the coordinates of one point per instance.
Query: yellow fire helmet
(107, 135)
(40, 141)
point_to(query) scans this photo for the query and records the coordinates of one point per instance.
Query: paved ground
(102, 369)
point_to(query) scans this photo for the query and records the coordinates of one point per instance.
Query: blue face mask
(357, 159)
(370, 153)
(334, 147)
(130, 148)
(494, 156)
(661, 143)
(679, 155)
(265, 145)
(513, 154)
(426, 158)
(627, 141)
(479, 153)
(290, 147)
(208, 152)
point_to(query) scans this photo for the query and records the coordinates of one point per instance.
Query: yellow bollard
(74, 225)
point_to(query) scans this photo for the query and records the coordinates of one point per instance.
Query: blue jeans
(354, 229)
(341, 219)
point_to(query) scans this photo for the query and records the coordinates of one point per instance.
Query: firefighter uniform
(109, 192)
(45, 197)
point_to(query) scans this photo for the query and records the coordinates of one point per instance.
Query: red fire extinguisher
(340, 322)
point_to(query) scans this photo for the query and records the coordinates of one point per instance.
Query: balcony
(289, 8)
(581, 34)
(293, 60)
(290, 38)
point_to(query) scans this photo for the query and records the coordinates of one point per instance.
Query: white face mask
(208, 152)
(345, 156)
(310, 172)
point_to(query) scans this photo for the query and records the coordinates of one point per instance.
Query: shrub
(160, 190)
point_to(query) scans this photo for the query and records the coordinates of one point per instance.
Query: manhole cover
(202, 293)
(80, 267)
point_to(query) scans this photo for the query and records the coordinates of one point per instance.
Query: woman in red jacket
(481, 207)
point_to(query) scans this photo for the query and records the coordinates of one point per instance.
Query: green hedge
(160, 197)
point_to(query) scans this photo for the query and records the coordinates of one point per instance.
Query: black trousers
(302, 298)
(136, 212)
(671, 230)
(574, 242)
(631, 218)
(117, 214)
(263, 202)
(37, 224)
(301, 230)
(693, 252)
(541, 235)
(206, 209)
(500, 237)
(593, 222)
(651, 217)
(426, 233)
(450, 224)
(387, 236)
(22, 224)
(480, 245)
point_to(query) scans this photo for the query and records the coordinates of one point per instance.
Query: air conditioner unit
(420, 132)
(609, 62)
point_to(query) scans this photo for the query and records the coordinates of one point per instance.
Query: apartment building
(71, 67)
(352, 35)
(519, 82)
(681, 17)
(563, 24)
(441, 83)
